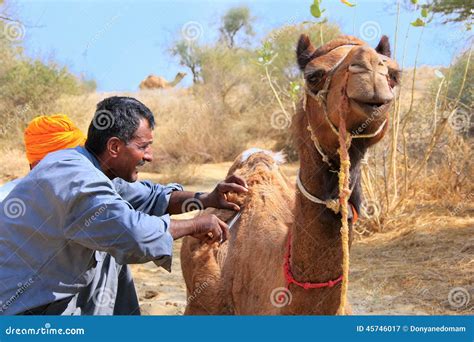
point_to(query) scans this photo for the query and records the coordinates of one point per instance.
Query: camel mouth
(370, 107)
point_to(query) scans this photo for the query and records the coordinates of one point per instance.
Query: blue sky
(118, 43)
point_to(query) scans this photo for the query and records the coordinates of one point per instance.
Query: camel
(284, 254)
(157, 82)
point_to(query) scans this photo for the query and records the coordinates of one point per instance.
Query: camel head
(180, 76)
(348, 77)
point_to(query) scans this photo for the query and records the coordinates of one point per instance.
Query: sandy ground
(408, 272)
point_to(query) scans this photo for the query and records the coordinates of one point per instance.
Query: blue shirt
(60, 213)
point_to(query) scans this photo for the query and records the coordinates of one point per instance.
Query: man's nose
(148, 156)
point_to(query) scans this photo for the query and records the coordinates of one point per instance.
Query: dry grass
(418, 261)
(14, 163)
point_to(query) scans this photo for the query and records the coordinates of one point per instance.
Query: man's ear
(304, 51)
(384, 47)
(114, 146)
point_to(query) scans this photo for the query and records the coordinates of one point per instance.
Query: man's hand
(210, 229)
(207, 228)
(217, 198)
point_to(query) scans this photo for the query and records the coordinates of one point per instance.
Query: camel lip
(371, 107)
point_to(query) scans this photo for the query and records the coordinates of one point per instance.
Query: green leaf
(316, 9)
(418, 23)
(414, 2)
(424, 12)
(347, 3)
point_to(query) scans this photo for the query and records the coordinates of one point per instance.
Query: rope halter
(321, 98)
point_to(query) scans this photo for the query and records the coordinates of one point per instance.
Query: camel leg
(202, 276)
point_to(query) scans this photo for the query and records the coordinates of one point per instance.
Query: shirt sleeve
(145, 196)
(100, 219)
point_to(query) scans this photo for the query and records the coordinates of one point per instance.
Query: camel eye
(315, 77)
(357, 68)
(394, 78)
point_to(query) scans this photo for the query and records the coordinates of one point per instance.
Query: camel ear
(304, 51)
(384, 47)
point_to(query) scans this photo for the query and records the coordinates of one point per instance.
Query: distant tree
(28, 86)
(458, 69)
(189, 54)
(283, 41)
(453, 10)
(233, 21)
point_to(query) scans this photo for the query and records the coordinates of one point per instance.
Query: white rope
(332, 204)
(370, 135)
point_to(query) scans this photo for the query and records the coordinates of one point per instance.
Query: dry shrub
(13, 161)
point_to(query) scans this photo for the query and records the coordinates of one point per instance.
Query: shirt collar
(82, 150)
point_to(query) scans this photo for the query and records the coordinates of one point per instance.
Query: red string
(291, 280)
(289, 276)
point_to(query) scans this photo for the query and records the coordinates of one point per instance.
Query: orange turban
(46, 134)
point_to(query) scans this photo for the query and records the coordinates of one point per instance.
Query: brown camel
(284, 254)
(157, 82)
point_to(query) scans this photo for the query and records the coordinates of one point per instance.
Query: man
(68, 207)
(45, 134)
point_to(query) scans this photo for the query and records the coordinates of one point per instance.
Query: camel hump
(153, 77)
(251, 158)
(278, 157)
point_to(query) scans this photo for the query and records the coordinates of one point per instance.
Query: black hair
(116, 116)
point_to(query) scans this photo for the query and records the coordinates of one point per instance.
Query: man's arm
(98, 218)
(145, 196)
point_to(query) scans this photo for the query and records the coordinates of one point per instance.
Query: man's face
(134, 154)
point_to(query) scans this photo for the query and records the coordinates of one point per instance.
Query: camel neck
(316, 242)
(176, 80)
